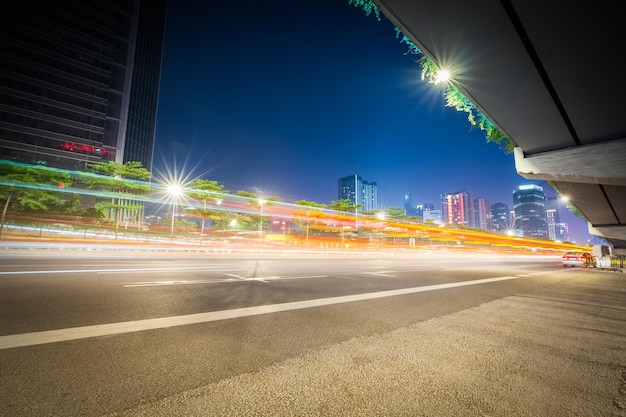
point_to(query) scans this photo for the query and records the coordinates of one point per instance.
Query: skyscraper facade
(553, 217)
(500, 217)
(358, 191)
(482, 214)
(529, 203)
(79, 81)
(409, 208)
(420, 210)
(457, 208)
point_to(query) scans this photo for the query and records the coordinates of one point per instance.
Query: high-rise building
(420, 210)
(409, 208)
(512, 226)
(431, 215)
(562, 232)
(482, 214)
(456, 208)
(500, 217)
(553, 219)
(358, 191)
(79, 81)
(529, 203)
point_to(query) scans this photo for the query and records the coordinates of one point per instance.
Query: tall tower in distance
(529, 203)
(482, 214)
(79, 81)
(500, 217)
(358, 191)
(409, 208)
(456, 208)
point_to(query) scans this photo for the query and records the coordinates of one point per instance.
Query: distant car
(582, 259)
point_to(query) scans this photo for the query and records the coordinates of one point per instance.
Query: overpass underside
(549, 80)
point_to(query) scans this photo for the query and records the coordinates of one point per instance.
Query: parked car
(582, 259)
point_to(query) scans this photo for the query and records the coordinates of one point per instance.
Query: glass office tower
(529, 203)
(358, 191)
(79, 81)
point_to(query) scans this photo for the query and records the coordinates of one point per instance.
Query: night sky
(285, 97)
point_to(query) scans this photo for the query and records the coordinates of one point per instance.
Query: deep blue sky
(287, 96)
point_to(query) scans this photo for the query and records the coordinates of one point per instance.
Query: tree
(345, 205)
(205, 191)
(258, 202)
(234, 221)
(309, 208)
(124, 183)
(30, 187)
(395, 213)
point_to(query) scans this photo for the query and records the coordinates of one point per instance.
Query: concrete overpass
(548, 74)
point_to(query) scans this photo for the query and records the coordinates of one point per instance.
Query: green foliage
(132, 170)
(124, 184)
(241, 222)
(457, 100)
(345, 205)
(128, 178)
(312, 204)
(255, 200)
(93, 213)
(368, 5)
(454, 97)
(395, 213)
(413, 49)
(116, 205)
(71, 205)
(205, 190)
(31, 187)
(181, 223)
(575, 211)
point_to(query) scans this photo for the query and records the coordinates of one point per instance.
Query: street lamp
(175, 191)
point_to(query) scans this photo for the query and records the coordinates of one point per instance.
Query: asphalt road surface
(233, 334)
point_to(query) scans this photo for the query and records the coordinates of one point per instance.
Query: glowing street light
(174, 191)
(443, 76)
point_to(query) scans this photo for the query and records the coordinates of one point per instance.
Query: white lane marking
(381, 274)
(297, 277)
(74, 333)
(163, 283)
(220, 281)
(235, 276)
(118, 270)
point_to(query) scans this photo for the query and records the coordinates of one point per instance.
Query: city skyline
(286, 98)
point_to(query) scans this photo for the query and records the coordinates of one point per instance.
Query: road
(234, 334)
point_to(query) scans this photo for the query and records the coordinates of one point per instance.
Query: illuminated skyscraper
(79, 81)
(358, 191)
(457, 208)
(500, 217)
(556, 231)
(482, 214)
(409, 208)
(529, 203)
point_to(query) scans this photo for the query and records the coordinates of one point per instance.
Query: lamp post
(175, 191)
(380, 216)
(261, 202)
